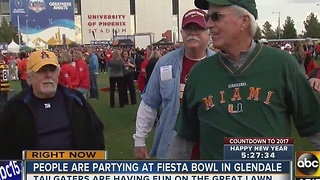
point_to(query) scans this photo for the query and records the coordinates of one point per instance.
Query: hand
(141, 152)
(315, 84)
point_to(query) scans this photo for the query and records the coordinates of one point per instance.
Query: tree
(267, 31)
(289, 31)
(312, 26)
(258, 34)
(277, 32)
(8, 32)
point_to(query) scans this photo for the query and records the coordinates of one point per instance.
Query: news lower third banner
(158, 170)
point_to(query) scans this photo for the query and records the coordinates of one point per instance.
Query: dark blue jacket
(18, 131)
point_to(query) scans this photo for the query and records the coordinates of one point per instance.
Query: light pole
(27, 25)
(279, 32)
(18, 22)
(19, 35)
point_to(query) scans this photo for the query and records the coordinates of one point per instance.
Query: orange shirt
(22, 68)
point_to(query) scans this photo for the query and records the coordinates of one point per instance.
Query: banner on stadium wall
(44, 22)
(101, 22)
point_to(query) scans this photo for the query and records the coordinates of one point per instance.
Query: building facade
(104, 19)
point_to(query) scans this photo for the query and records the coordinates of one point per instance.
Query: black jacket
(18, 131)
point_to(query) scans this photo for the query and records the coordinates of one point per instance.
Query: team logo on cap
(44, 55)
(193, 14)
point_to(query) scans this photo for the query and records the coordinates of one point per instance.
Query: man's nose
(209, 24)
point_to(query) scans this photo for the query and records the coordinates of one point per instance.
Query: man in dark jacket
(47, 116)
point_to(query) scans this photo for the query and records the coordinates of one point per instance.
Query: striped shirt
(4, 77)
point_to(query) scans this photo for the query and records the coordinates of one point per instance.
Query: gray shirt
(243, 56)
(116, 68)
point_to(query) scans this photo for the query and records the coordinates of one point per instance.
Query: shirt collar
(243, 54)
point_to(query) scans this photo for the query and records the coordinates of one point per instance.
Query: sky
(298, 10)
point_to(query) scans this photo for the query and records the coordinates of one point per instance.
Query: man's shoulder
(208, 64)
(277, 56)
(18, 98)
(72, 93)
(171, 57)
(204, 63)
(271, 51)
(81, 63)
(94, 56)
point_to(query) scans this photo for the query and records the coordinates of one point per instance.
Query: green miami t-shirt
(256, 100)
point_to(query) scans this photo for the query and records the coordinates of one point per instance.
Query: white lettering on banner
(157, 177)
(168, 167)
(47, 167)
(60, 5)
(258, 148)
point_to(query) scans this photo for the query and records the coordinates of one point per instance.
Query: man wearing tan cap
(166, 85)
(245, 90)
(47, 115)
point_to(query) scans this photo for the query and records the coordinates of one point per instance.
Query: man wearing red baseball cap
(194, 16)
(166, 85)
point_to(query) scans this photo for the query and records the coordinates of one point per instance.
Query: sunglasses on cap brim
(215, 16)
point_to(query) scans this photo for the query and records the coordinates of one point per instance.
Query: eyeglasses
(215, 16)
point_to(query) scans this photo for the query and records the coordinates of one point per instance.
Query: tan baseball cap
(38, 59)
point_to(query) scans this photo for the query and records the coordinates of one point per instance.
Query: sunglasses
(215, 16)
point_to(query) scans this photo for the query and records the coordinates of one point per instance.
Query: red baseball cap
(308, 54)
(194, 16)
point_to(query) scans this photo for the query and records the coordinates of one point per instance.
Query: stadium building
(82, 21)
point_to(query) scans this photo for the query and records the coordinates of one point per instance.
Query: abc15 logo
(308, 164)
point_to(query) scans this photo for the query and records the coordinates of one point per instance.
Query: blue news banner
(158, 170)
(10, 170)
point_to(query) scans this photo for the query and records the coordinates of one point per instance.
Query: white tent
(13, 47)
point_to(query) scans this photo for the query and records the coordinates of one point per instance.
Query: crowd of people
(80, 67)
(196, 94)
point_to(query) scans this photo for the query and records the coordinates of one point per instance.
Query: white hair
(29, 74)
(242, 12)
